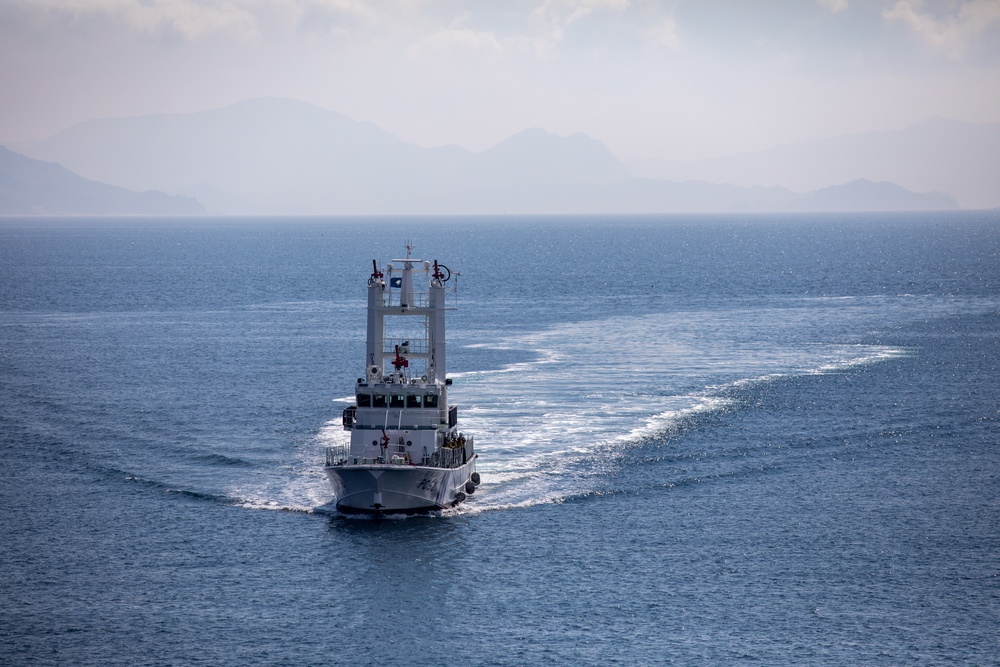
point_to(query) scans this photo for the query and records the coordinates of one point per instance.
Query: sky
(669, 79)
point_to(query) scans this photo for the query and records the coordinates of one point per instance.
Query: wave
(551, 429)
(558, 425)
(169, 488)
(216, 459)
(274, 506)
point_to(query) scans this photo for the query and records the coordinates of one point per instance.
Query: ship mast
(392, 294)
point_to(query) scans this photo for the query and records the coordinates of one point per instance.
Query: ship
(406, 453)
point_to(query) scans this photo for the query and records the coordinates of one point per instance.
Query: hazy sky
(667, 79)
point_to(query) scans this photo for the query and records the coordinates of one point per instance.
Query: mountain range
(32, 187)
(960, 158)
(281, 157)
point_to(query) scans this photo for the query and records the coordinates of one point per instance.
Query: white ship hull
(406, 453)
(398, 489)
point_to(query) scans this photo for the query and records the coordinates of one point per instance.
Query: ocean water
(704, 440)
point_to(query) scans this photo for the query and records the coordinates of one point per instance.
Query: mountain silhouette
(32, 187)
(282, 157)
(960, 158)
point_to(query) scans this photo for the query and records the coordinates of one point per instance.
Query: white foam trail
(603, 385)
(592, 390)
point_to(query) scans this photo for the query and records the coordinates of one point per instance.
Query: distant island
(32, 187)
(281, 157)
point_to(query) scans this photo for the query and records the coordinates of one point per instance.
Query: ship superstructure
(406, 453)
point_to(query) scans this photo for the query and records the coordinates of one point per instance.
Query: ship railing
(452, 457)
(419, 300)
(445, 457)
(406, 346)
(340, 455)
(336, 455)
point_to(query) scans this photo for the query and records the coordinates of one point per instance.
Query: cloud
(573, 10)
(952, 34)
(326, 15)
(187, 19)
(197, 20)
(461, 39)
(833, 6)
(559, 14)
(664, 33)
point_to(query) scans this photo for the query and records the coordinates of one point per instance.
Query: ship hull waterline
(398, 489)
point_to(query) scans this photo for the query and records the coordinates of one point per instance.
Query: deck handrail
(445, 457)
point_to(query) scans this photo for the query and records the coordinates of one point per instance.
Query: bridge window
(364, 400)
(396, 401)
(414, 400)
(430, 401)
(378, 401)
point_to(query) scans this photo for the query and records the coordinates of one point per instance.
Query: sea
(703, 440)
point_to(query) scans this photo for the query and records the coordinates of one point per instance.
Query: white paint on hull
(382, 488)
